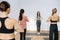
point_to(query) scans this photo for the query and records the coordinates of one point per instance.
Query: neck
(55, 14)
(4, 14)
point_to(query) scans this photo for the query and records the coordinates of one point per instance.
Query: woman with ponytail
(22, 21)
(53, 33)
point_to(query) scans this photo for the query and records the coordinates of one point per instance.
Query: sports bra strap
(3, 28)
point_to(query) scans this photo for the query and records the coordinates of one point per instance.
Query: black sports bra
(3, 28)
(54, 21)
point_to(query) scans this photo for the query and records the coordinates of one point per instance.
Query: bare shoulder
(12, 19)
(50, 16)
(25, 16)
(58, 16)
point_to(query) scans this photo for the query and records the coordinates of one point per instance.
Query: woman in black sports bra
(53, 33)
(6, 23)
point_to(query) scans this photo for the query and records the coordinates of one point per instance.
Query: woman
(22, 21)
(6, 23)
(38, 22)
(53, 26)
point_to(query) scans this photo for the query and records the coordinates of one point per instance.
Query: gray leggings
(38, 23)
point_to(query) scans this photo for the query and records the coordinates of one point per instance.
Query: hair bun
(4, 6)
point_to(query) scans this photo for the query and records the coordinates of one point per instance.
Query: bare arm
(36, 18)
(27, 19)
(17, 26)
(59, 19)
(48, 19)
(41, 18)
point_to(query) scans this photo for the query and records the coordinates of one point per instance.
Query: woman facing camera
(6, 23)
(38, 21)
(53, 33)
(22, 21)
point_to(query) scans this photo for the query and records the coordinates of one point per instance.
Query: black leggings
(53, 31)
(23, 35)
(38, 23)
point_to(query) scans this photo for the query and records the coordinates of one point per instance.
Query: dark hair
(20, 14)
(38, 14)
(4, 6)
(54, 11)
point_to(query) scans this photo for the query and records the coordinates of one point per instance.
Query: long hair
(54, 11)
(21, 14)
(38, 14)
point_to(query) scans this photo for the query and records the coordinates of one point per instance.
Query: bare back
(9, 24)
(54, 18)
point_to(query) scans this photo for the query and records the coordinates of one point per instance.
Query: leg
(21, 36)
(56, 34)
(38, 27)
(37, 23)
(51, 33)
(24, 34)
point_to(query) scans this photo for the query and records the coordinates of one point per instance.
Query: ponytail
(54, 11)
(21, 14)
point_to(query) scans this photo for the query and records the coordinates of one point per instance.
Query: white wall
(31, 7)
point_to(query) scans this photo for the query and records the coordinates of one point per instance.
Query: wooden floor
(32, 35)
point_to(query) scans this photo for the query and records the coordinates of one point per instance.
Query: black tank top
(3, 28)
